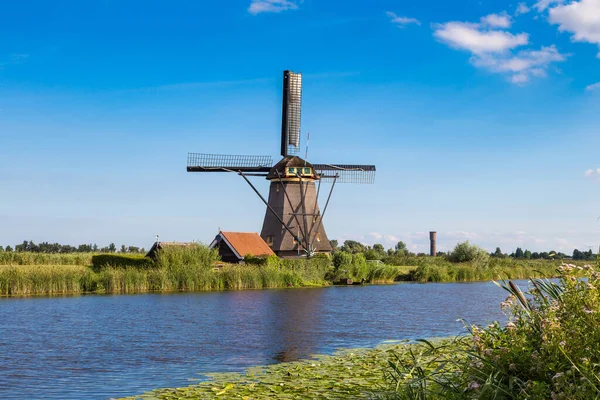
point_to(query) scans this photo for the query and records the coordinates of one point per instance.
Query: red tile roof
(245, 243)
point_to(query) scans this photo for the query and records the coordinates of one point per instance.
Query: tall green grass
(28, 258)
(190, 268)
(439, 269)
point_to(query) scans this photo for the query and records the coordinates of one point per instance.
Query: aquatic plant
(348, 374)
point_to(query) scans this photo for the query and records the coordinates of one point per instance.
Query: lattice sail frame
(200, 162)
(346, 173)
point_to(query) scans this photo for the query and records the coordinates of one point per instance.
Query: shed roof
(246, 243)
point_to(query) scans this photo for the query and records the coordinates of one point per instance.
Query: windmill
(293, 223)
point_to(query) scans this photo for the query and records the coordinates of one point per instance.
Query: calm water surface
(97, 347)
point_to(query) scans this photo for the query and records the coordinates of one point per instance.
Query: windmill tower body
(293, 223)
(294, 200)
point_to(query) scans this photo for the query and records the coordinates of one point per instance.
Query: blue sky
(482, 117)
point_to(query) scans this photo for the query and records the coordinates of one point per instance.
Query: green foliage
(548, 349)
(498, 253)
(100, 261)
(359, 270)
(352, 246)
(465, 252)
(28, 258)
(189, 268)
(519, 253)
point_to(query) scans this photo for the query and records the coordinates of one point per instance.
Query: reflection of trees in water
(294, 317)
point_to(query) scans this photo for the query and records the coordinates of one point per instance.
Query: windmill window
(270, 239)
(292, 171)
(306, 171)
(318, 237)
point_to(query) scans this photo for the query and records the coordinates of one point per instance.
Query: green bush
(360, 269)
(465, 252)
(101, 261)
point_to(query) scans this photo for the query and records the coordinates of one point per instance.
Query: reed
(28, 258)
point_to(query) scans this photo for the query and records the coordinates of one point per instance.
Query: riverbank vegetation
(547, 349)
(194, 268)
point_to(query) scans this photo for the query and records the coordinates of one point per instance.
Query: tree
(1, 249)
(519, 253)
(112, 248)
(498, 253)
(577, 255)
(401, 247)
(342, 261)
(466, 252)
(589, 255)
(527, 254)
(352, 246)
(95, 248)
(334, 245)
(123, 249)
(8, 249)
(379, 248)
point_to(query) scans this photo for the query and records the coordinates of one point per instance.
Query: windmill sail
(346, 173)
(291, 113)
(198, 162)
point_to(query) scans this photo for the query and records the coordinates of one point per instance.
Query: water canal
(110, 346)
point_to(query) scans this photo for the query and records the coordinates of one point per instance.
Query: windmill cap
(289, 162)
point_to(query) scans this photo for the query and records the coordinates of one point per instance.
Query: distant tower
(432, 243)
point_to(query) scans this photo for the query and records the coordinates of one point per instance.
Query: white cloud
(592, 173)
(497, 20)
(401, 21)
(493, 48)
(523, 65)
(522, 9)
(593, 86)
(260, 6)
(464, 235)
(581, 18)
(541, 5)
(478, 39)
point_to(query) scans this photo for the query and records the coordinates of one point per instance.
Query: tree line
(45, 247)
(378, 252)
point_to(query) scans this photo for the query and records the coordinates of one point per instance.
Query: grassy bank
(194, 269)
(439, 269)
(178, 269)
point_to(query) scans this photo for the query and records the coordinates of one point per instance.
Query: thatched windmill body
(293, 223)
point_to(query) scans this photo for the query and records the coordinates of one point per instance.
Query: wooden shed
(234, 246)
